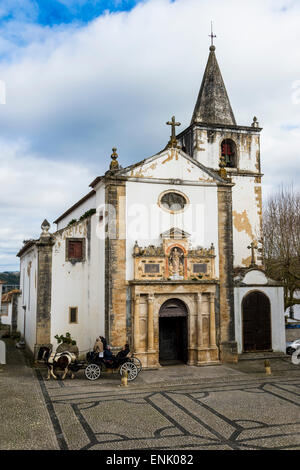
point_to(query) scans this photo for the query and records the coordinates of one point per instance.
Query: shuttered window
(75, 249)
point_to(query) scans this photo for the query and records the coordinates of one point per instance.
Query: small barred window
(73, 315)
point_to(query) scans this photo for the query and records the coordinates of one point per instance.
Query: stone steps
(260, 355)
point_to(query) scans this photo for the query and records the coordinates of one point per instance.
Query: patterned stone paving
(241, 414)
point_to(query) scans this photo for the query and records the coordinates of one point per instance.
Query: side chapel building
(180, 275)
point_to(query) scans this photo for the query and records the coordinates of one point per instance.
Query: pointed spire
(213, 105)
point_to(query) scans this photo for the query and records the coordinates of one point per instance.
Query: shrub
(65, 339)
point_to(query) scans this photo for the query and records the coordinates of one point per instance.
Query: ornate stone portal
(174, 260)
(174, 271)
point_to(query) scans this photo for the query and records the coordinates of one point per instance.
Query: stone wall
(226, 334)
(43, 313)
(115, 265)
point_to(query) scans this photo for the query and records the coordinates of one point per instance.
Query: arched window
(228, 151)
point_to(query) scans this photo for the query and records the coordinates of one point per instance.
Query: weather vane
(212, 35)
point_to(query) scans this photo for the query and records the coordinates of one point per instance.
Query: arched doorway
(256, 322)
(173, 332)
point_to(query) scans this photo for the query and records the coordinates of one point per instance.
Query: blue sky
(52, 14)
(84, 76)
(57, 12)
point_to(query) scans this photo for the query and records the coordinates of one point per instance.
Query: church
(165, 254)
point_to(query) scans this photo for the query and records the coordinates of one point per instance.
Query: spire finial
(45, 228)
(114, 165)
(212, 36)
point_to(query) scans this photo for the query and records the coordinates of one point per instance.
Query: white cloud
(74, 92)
(31, 189)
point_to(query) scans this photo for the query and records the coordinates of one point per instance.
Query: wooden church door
(256, 322)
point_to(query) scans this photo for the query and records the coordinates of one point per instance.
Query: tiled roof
(7, 297)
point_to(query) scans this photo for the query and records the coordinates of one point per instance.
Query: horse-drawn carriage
(123, 363)
(95, 363)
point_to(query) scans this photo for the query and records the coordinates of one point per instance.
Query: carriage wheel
(92, 372)
(137, 362)
(131, 369)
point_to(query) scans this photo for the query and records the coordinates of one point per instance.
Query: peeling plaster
(138, 174)
(258, 198)
(242, 223)
(173, 153)
(205, 179)
(247, 261)
(257, 164)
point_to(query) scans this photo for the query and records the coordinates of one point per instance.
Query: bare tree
(281, 228)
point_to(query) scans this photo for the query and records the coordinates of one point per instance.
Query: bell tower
(214, 139)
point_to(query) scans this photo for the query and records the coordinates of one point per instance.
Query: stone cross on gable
(173, 123)
(252, 247)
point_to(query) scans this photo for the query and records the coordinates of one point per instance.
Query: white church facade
(166, 254)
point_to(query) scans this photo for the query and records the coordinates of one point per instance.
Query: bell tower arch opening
(229, 153)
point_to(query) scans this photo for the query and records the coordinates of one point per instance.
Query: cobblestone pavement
(248, 413)
(174, 408)
(25, 423)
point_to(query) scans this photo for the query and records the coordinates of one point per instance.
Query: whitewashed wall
(78, 285)
(28, 297)
(146, 220)
(246, 217)
(208, 153)
(275, 295)
(245, 201)
(6, 319)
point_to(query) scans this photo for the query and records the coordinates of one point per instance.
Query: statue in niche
(176, 262)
